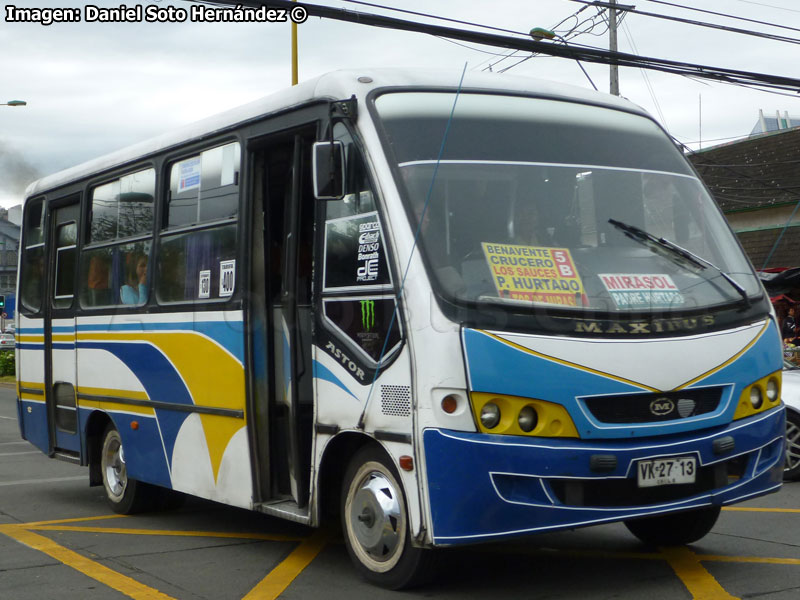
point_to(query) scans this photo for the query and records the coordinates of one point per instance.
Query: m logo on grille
(662, 406)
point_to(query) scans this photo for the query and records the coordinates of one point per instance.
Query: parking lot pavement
(59, 540)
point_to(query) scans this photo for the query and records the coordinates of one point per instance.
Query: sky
(92, 88)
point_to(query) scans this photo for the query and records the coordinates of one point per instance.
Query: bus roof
(337, 85)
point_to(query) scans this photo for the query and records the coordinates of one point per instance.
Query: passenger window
(124, 207)
(66, 253)
(115, 275)
(32, 264)
(197, 265)
(205, 187)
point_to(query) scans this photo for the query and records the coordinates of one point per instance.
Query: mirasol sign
(534, 273)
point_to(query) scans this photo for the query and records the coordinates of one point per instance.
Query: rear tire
(791, 469)
(123, 494)
(674, 529)
(375, 524)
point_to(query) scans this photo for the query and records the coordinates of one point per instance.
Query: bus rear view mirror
(328, 168)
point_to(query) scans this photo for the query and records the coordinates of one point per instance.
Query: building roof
(758, 172)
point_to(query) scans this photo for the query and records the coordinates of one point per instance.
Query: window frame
(165, 233)
(88, 245)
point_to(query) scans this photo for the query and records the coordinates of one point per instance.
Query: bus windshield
(558, 204)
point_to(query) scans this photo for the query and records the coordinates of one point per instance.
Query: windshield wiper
(673, 251)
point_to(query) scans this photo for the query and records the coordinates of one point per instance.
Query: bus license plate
(666, 471)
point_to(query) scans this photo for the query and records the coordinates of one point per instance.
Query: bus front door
(284, 188)
(59, 330)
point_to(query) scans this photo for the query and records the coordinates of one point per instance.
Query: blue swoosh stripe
(322, 372)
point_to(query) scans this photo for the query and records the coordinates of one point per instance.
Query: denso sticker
(634, 290)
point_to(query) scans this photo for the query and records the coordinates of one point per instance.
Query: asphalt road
(59, 540)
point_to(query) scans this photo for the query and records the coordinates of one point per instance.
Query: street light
(540, 33)
(14, 103)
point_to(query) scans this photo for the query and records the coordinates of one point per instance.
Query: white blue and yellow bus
(451, 310)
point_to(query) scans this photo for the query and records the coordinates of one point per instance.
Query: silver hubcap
(792, 445)
(376, 517)
(114, 470)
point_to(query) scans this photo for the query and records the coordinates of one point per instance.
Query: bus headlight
(755, 397)
(499, 414)
(490, 415)
(773, 390)
(759, 396)
(527, 419)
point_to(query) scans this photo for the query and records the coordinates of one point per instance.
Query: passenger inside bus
(97, 281)
(135, 290)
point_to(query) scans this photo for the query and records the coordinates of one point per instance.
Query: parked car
(7, 341)
(791, 398)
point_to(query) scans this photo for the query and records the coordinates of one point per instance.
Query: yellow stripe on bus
(213, 376)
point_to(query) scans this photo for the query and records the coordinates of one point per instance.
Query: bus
(443, 309)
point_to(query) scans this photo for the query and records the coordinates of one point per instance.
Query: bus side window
(32, 264)
(358, 298)
(200, 264)
(358, 198)
(66, 254)
(120, 209)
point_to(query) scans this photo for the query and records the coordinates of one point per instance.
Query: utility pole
(294, 52)
(612, 46)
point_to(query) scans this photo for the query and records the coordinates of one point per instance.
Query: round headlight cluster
(490, 415)
(528, 419)
(756, 398)
(772, 390)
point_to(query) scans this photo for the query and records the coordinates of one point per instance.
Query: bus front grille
(654, 408)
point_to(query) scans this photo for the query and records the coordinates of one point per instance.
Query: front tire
(791, 469)
(375, 524)
(674, 529)
(123, 494)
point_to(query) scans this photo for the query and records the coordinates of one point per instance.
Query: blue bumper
(488, 487)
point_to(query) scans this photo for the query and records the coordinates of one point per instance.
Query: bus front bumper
(486, 487)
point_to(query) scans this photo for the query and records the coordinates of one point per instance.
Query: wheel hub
(377, 517)
(792, 445)
(116, 473)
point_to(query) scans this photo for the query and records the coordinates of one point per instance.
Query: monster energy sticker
(366, 322)
(367, 314)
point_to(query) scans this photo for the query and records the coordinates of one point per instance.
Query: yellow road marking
(749, 559)
(773, 510)
(685, 563)
(700, 583)
(167, 532)
(73, 520)
(121, 583)
(281, 576)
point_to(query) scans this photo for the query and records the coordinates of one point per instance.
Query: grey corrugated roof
(757, 172)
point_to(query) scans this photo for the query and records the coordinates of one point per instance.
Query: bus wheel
(674, 529)
(124, 495)
(791, 469)
(375, 524)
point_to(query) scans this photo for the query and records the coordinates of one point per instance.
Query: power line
(727, 16)
(468, 47)
(646, 78)
(758, 34)
(768, 5)
(571, 51)
(430, 16)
